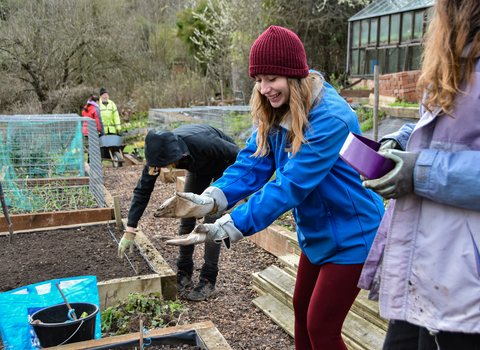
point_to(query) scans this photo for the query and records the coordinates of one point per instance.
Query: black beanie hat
(102, 91)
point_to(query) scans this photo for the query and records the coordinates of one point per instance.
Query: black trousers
(402, 335)
(197, 184)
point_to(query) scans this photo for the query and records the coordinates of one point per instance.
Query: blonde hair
(451, 29)
(267, 119)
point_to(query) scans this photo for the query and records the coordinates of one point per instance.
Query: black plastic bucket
(56, 331)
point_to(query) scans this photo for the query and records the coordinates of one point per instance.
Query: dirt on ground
(243, 325)
(44, 255)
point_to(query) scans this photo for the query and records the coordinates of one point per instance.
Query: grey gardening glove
(126, 242)
(186, 205)
(387, 144)
(202, 233)
(398, 182)
(223, 230)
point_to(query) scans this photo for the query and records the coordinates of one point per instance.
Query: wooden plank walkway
(363, 328)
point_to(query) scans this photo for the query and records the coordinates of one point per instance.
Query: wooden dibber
(66, 302)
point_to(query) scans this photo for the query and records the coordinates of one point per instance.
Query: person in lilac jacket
(424, 265)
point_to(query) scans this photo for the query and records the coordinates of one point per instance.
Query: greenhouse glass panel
(401, 58)
(371, 61)
(395, 28)
(373, 31)
(362, 62)
(414, 57)
(381, 60)
(364, 35)
(384, 29)
(418, 30)
(354, 68)
(356, 34)
(392, 61)
(407, 26)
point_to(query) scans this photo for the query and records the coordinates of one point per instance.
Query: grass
(403, 103)
(365, 118)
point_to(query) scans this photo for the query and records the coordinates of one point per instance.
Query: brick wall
(400, 85)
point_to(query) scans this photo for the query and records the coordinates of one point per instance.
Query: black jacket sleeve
(141, 197)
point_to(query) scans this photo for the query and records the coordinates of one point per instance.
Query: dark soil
(242, 324)
(45, 255)
(160, 347)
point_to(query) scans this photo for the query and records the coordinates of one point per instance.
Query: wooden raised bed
(163, 281)
(130, 160)
(208, 335)
(167, 175)
(35, 221)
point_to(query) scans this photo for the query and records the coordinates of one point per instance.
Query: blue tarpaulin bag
(18, 305)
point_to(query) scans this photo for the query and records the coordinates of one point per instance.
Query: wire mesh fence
(235, 121)
(43, 164)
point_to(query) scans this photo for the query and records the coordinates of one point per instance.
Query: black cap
(102, 91)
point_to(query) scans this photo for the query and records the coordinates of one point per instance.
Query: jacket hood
(92, 103)
(163, 148)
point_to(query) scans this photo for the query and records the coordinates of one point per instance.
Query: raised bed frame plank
(167, 175)
(39, 221)
(22, 222)
(163, 280)
(207, 332)
(129, 160)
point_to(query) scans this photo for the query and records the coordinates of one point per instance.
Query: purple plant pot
(361, 154)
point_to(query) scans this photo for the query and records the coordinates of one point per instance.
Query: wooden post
(141, 334)
(118, 212)
(5, 213)
(375, 103)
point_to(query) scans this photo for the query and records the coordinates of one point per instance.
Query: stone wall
(400, 85)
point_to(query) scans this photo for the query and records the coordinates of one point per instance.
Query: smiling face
(275, 88)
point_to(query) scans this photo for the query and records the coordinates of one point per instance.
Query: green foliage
(187, 23)
(336, 81)
(139, 120)
(403, 103)
(152, 305)
(365, 118)
(282, 218)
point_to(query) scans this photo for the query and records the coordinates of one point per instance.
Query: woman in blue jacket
(301, 124)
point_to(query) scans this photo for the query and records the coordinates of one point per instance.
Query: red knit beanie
(278, 51)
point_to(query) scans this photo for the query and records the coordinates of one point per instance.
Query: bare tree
(52, 45)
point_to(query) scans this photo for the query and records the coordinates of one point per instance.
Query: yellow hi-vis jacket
(110, 117)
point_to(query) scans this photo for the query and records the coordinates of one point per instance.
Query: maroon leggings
(322, 298)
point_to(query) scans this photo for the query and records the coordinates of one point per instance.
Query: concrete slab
(389, 125)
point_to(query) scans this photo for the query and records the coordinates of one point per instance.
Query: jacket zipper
(334, 228)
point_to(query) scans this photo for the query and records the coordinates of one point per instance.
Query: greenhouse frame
(387, 33)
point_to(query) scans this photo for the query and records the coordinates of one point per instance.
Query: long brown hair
(454, 25)
(267, 119)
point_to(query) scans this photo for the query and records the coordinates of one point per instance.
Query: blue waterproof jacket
(336, 217)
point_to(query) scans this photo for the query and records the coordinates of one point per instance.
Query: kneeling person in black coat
(205, 152)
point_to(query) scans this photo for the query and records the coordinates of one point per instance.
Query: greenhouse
(387, 33)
